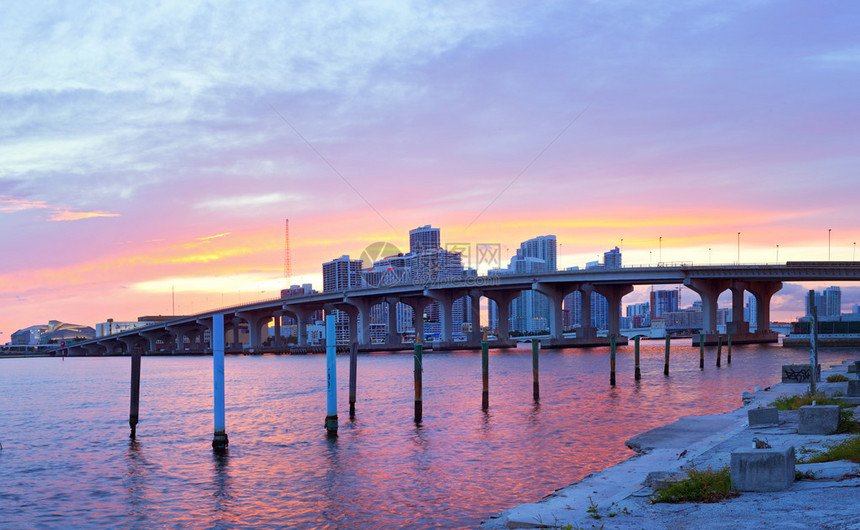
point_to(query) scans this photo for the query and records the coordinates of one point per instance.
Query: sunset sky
(150, 149)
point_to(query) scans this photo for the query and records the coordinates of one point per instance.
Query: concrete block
(853, 388)
(852, 367)
(799, 373)
(818, 419)
(762, 469)
(763, 416)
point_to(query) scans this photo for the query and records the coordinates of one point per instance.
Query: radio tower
(288, 264)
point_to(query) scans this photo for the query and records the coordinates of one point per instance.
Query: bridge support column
(709, 291)
(476, 335)
(276, 328)
(256, 320)
(503, 301)
(205, 324)
(763, 292)
(393, 336)
(738, 325)
(302, 315)
(446, 299)
(613, 294)
(555, 293)
(417, 304)
(586, 328)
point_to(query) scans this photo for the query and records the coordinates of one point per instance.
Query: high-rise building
(423, 239)
(541, 247)
(831, 300)
(530, 310)
(341, 274)
(612, 259)
(662, 302)
(827, 303)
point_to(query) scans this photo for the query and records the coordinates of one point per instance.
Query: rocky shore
(619, 496)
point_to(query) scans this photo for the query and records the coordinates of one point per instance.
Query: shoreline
(618, 496)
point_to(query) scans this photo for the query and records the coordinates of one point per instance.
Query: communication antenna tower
(288, 264)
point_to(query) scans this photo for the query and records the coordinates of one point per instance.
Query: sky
(151, 152)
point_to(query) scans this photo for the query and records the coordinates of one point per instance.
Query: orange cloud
(66, 215)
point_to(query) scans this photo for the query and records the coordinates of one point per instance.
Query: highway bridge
(708, 281)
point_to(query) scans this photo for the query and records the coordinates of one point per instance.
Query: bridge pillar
(613, 294)
(205, 324)
(417, 304)
(709, 291)
(503, 301)
(302, 315)
(257, 321)
(446, 299)
(276, 328)
(476, 335)
(364, 307)
(738, 325)
(152, 339)
(234, 325)
(555, 293)
(393, 337)
(586, 328)
(763, 292)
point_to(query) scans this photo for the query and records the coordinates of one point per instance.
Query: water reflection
(136, 477)
(222, 489)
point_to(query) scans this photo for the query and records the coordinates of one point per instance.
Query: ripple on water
(68, 460)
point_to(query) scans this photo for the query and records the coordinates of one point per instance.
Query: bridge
(763, 281)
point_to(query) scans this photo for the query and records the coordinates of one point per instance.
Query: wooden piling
(353, 377)
(666, 362)
(701, 351)
(719, 349)
(418, 369)
(535, 379)
(729, 352)
(637, 375)
(485, 372)
(134, 407)
(612, 359)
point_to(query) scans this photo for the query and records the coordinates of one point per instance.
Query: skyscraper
(662, 302)
(541, 247)
(612, 259)
(424, 239)
(341, 274)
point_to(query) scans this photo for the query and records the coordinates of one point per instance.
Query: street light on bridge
(828, 243)
(739, 248)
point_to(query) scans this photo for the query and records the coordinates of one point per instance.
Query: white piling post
(331, 376)
(219, 441)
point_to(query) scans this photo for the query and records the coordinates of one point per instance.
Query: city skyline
(143, 160)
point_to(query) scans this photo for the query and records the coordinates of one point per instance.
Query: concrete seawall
(619, 496)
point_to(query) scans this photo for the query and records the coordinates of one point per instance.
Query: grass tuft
(836, 378)
(847, 423)
(699, 486)
(848, 449)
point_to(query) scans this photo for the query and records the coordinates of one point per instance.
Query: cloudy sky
(151, 152)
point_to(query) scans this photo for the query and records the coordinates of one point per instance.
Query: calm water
(67, 459)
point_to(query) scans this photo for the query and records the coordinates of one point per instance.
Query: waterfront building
(424, 238)
(110, 326)
(663, 302)
(53, 331)
(340, 275)
(828, 303)
(529, 311)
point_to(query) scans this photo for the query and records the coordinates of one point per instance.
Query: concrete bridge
(708, 281)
